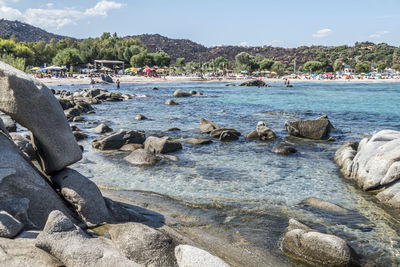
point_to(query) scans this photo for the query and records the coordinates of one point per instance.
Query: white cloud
(243, 44)
(274, 43)
(9, 13)
(101, 8)
(57, 18)
(322, 33)
(4, 2)
(378, 35)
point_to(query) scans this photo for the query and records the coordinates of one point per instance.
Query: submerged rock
(325, 205)
(142, 157)
(34, 106)
(257, 83)
(197, 141)
(140, 117)
(170, 102)
(188, 256)
(283, 149)
(252, 135)
(118, 139)
(181, 93)
(312, 129)
(316, 247)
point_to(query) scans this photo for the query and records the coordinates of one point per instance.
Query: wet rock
(143, 244)
(24, 144)
(121, 213)
(228, 131)
(9, 226)
(119, 139)
(391, 196)
(154, 88)
(253, 135)
(316, 247)
(325, 205)
(264, 133)
(142, 157)
(192, 92)
(171, 102)
(78, 119)
(161, 145)
(197, 141)
(83, 195)
(181, 93)
(171, 129)
(312, 129)
(106, 78)
(374, 162)
(102, 128)
(257, 83)
(168, 157)
(140, 117)
(69, 244)
(283, 149)
(79, 135)
(34, 106)
(206, 126)
(131, 147)
(72, 112)
(228, 136)
(188, 256)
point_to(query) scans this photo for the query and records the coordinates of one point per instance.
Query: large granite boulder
(83, 195)
(20, 180)
(188, 256)
(161, 145)
(257, 83)
(143, 244)
(374, 163)
(323, 249)
(73, 247)
(206, 126)
(118, 139)
(181, 93)
(34, 106)
(312, 129)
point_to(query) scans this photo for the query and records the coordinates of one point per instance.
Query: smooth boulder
(311, 129)
(189, 256)
(170, 102)
(198, 141)
(118, 139)
(257, 83)
(142, 157)
(264, 133)
(319, 248)
(161, 145)
(207, 126)
(83, 195)
(181, 93)
(102, 128)
(33, 105)
(143, 244)
(283, 149)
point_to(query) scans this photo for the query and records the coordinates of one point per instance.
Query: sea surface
(256, 189)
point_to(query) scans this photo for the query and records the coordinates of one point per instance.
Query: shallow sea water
(259, 190)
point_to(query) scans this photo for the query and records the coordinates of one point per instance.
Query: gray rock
(143, 244)
(79, 135)
(70, 245)
(10, 124)
(72, 112)
(83, 195)
(3, 128)
(253, 135)
(140, 117)
(257, 83)
(283, 149)
(24, 144)
(119, 139)
(102, 128)
(18, 208)
(188, 256)
(78, 119)
(391, 196)
(218, 132)
(131, 147)
(171, 129)
(316, 247)
(19, 179)
(142, 157)
(228, 136)
(206, 126)
(198, 141)
(121, 213)
(325, 205)
(192, 92)
(9, 226)
(171, 102)
(181, 93)
(34, 106)
(21, 252)
(106, 78)
(161, 145)
(264, 133)
(168, 157)
(312, 129)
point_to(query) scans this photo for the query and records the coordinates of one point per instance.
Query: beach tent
(54, 68)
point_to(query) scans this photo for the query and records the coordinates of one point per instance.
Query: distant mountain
(26, 32)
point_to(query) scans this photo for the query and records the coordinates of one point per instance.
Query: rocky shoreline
(51, 215)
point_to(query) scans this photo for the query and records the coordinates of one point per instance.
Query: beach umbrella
(147, 70)
(42, 70)
(55, 68)
(128, 70)
(35, 68)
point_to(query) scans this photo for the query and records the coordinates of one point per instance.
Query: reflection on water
(257, 184)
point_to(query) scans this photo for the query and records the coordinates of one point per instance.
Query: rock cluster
(223, 134)
(256, 83)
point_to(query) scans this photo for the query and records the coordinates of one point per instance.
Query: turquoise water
(253, 184)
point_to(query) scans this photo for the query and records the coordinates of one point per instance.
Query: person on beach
(118, 82)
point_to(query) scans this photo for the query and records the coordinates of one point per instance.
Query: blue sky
(218, 22)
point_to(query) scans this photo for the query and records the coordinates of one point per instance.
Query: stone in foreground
(73, 247)
(311, 129)
(316, 247)
(143, 244)
(34, 106)
(188, 256)
(161, 145)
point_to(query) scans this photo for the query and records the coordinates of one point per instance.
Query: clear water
(258, 187)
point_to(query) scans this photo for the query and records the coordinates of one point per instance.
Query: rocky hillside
(25, 32)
